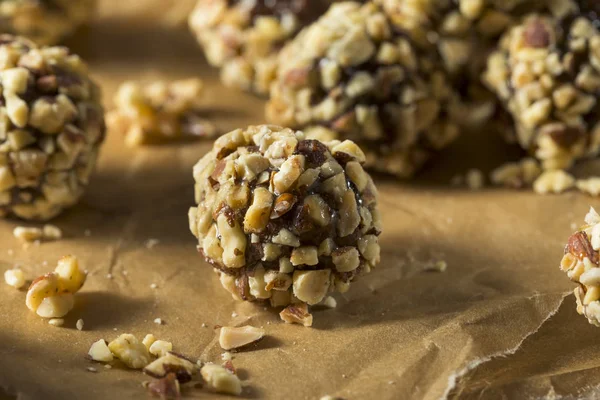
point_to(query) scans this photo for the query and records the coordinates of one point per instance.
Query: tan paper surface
(496, 324)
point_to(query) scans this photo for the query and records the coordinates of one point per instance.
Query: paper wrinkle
(454, 378)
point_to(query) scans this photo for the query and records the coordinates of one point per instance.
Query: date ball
(350, 76)
(242, 37)
(45, 22)
(284, 218)
(546, 71)
(581, 263)
(51, 127)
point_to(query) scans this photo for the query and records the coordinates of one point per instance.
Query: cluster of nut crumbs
(160, 112)
(171, 370)
(53, 295)
(45, 22)
(350, 75)
(581, 263)
(244, 37)
(32, 234)
(51, 128)
(285, 219)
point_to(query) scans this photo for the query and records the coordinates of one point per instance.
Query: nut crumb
(160, 348)
(92, 369)
(553, 181)
(171, 363)
(158, 321)
(79, 324)
(100, 352)
(234, 314)
(226, 356)
(165, 388)
(51, 232)
(590, 186)
(109, 276)
(297, 314)
(236, 337)
(330, 302)
(56, 321)
(27, 235)
(475, 179)
(152, 243)
(221, 380)
(15, 278)
(437, 266)
(153, 286)
(107, 366)
(130, 351)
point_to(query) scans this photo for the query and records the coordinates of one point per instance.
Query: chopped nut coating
(299, 225)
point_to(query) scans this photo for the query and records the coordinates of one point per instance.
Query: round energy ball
(284, 218)
(243, 36)
(350, 76)
(546, 71)
(51, 127)
(45, 22)
(581, 263)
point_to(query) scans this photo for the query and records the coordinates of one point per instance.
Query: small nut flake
(236, 337)
(56, 322)
(221, 380)
(171, 363)
(79, 324)
(297, 314)
(100, 352)
(15, 278)
(130, 351)
(160, 348)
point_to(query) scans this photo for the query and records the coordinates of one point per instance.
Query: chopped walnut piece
(99, 351)
(28, 234)
(165, 388)
(297, 314)
(130, 351)
(56, 322)
(159, 348)
(556, 181)
(15, 278)
(236, 337)
(590, 186)
(171, 363)
(221, 380)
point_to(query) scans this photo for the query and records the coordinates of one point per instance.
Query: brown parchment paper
(499, 323)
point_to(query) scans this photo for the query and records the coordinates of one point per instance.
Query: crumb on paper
(160, 348)
(590, 186)
(79, 324)
(297, 314)
(330, 302)
(15, 278)
(152, 243)
(204, 325)
(52, 295)
(165, 388)
(91, 369)
(130, 351)
(100, 352)
(107, 366)
(153, 286)
(475, 179)
(158, 321)
(221, 380)
(56, 321)
(234, 314)
(171, 362)
(236, 337)
(109, 276)
(516, 175)
(553, 181)
(148, 340)
(226, 356)
(437, 266)
(51, 232)
(35, 235)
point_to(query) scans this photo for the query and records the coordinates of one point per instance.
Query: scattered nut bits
(28, 234)
(46, 23)
(51, 232)
(244, 38)
(581, 263)
(330, 302)
(160, 348)
(284, 218)
(148, 340)
(516, 175)
(158, 321)
(130, 351)
(554, 181)
(165, 388)
(171, 363)
(56, 322)
(590, 186)
(52, 125)
(236, 337)
(100, 352)
(52, 295)
(160, 112)
(297, 314)
(351, 75)
(15, 278)
(221, 380)
(79, 325)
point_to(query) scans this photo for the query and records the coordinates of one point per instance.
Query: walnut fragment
(284, 218)
(236, 337)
